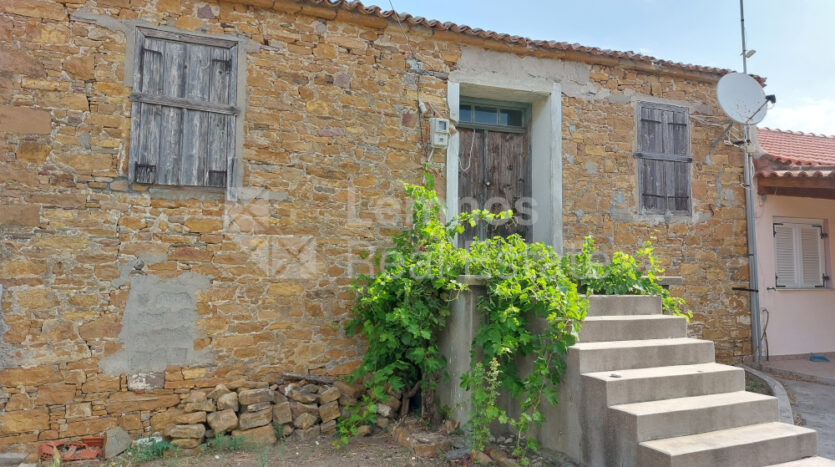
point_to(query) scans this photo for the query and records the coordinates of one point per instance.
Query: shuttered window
(799, 255)
(183, 112)
(663, 158)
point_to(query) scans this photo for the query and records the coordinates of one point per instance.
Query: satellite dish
(742, 98)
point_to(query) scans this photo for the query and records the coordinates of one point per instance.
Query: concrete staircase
(651, 396)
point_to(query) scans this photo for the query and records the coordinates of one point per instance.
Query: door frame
(545, 141)
(523, 130)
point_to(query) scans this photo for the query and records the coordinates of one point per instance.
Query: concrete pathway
(803, 368)
(816, 404)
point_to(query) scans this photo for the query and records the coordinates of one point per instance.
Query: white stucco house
(795, 214)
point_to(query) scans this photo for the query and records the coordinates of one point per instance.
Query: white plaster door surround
(506, 77)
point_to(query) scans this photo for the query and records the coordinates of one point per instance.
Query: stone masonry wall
(120, 300)
(707, 249)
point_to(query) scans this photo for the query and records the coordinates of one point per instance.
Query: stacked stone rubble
(259, 412)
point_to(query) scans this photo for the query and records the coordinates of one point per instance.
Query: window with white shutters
(663, 158)
(799, 261)
(184, 108)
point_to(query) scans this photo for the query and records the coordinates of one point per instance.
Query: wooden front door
(494, 168)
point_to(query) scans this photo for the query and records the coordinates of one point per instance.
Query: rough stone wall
(92, 268)
(707, 249)
(330, 128)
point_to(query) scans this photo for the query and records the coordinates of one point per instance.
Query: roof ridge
(795, 132)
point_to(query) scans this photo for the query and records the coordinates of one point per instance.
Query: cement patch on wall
(529, 74)
(158, 327)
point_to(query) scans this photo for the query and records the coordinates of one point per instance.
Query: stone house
(795, 212)
(189, 187)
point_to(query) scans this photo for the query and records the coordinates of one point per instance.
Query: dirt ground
(379, 450)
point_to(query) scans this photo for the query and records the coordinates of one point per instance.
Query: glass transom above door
(481, 114)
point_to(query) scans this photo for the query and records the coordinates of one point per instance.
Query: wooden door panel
(471, 172)
(494, 174)
(507, 176)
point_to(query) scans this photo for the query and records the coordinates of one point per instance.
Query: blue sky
(794, 39)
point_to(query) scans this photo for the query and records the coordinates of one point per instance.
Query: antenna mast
(742, 27)
(753, 279)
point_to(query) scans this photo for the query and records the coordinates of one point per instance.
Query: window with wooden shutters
(799, 261)
(663, 158)
(183, 115)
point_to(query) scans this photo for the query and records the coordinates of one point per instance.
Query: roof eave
(375, 17)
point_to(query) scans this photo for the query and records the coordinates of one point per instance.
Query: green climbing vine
(624, 275)
(533, 309)
(401, 309)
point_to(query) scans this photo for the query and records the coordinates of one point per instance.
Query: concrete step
(625, 355)
(632, 327)
(645, 421)
(752, 445)
(666, 382)
(808, 462)
(618, 305)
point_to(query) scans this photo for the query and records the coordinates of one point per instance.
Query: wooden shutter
(811, 257)
(676, 134)
(784, 257)
(664, 158)
(677, 143)
(678, 186)
(183, 110)
(652, 186)
(145, 146)
(651, 130)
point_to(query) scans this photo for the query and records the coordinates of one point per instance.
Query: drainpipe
(753, 282)
(754, 297)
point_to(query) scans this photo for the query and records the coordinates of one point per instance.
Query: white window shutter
(810, 256)
(784, 264)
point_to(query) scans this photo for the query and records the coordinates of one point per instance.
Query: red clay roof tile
(796, 147)
(796, 154)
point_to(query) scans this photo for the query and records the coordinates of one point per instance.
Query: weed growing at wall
(484, 384)
(223, 443)
(402, 309)
(147, 452)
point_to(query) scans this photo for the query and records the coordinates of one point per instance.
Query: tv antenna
(742, 99)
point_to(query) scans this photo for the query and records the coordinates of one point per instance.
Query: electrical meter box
(439, 132)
